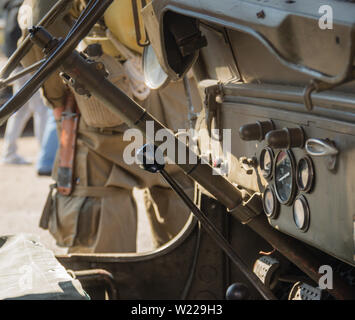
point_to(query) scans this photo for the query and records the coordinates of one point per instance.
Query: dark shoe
(44, 173)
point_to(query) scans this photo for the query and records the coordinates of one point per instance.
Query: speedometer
(285, 177)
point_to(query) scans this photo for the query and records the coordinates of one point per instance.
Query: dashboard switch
(286, 138)
(255, 131)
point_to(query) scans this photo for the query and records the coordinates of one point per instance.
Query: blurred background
(22, 191)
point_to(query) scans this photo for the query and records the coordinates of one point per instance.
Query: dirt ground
(23, 194)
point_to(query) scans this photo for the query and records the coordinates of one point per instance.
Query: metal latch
(213, 100)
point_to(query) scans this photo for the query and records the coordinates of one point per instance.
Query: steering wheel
(87, 19)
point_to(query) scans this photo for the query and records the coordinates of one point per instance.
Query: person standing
(99, 212)
(49, 146)
(11, 31)
(35, 106)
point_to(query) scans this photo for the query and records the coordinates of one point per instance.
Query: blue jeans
(49, 145)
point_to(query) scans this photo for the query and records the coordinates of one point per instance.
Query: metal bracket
(248, 164)
(79, 87)
(214, 97)
(137, 24)
(319, 86)
(250, 209)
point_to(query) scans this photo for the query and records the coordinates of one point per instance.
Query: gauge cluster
(289, 180)
(303, 167)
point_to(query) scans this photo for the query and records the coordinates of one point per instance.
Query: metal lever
(321, 148)
(152, 160)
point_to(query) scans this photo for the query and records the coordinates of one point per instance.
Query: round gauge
(301, 213)
(284, 173)
(266, 162)
(270, 203)
(305, 174)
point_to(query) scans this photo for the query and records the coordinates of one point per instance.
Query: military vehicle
(278, 221)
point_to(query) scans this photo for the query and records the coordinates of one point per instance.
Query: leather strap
(69, 127)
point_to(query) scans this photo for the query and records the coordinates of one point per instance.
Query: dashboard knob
(150, 158)
(255, 131)
(286, 138)
(237, 291)
(94, 50)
